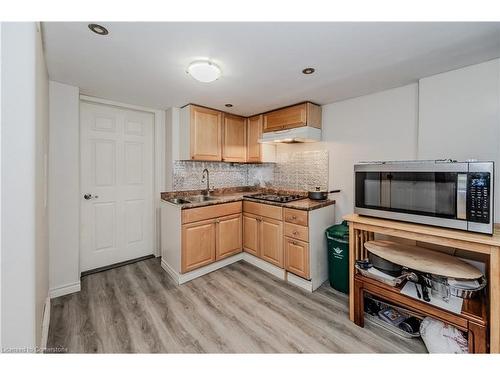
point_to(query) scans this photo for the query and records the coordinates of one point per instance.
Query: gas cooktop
(280, 198)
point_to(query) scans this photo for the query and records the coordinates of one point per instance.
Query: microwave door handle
(462, 196)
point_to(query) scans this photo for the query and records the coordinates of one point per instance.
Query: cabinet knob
(293, 217)
(295, 233)
(294, 242)
(217, 221)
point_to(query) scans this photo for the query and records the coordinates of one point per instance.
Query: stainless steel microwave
(443, 193)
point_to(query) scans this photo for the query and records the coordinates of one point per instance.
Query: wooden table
(363, 228)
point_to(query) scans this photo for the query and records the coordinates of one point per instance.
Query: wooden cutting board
(423, 259)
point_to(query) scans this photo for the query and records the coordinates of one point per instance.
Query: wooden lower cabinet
(198, 245)
(297, 257)
(263, 238)
(251, 234)
(229, 239)
(206, 241)
(271, 241)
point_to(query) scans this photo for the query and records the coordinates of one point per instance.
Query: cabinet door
(271, 241)
(254, 133)
(198, 245)
(251, 234)
(297, 257)
(229, 240)
(234, 137)
(286, 118)
(206, 134)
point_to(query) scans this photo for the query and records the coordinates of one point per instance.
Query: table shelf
(480, 317)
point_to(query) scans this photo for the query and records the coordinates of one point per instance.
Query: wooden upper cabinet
(304, 114)
(229, 238)
(234, 136)
(254, 133)
(205, 134)
(198, 245)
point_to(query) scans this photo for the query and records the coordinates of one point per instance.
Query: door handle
(90, 196)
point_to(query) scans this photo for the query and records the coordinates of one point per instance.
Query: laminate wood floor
(237, 309)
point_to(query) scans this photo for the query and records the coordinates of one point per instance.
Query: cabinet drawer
(209, 212)
(296, 216)
(260, 209)
(297, 231)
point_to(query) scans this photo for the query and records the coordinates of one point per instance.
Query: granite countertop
(227, 195)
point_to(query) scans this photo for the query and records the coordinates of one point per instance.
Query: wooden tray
(423, 259)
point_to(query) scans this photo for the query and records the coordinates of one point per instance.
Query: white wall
(1, 104)
(172, 119)
(41, 183)
(23, 237)
(450, 115)
(459, 117)
(64, 188)
(381, 126)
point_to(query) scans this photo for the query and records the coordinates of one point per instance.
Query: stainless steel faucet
(207, 192)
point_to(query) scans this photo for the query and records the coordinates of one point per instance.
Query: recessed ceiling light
(228, 105)
(204, 71)
(98, 29)
(308, 70)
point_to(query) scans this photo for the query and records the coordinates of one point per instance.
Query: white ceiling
(145, 63)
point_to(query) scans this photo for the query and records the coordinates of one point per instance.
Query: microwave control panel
(478, 197)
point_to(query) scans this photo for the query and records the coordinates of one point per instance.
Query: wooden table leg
(494, 281)
(477, 338)
(359, 304)
(352, 260)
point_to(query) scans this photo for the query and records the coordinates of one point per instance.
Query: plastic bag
(440, 337)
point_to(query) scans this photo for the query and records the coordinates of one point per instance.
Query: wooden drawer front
(210, 212)
(198, 245)
(285, 118)
(296, 216)
(260, 209)
(298, 232)
(297, 257)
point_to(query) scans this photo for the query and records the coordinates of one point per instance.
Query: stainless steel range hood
(297, 135)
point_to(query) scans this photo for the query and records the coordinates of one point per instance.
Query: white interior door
(116, 185)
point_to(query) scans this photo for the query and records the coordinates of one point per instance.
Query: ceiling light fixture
(228, 105)
(308, 70)
(204, 71)
(98, 29)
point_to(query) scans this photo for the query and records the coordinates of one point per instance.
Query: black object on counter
(320, 195)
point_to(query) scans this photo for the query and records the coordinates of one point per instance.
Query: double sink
(192, 199)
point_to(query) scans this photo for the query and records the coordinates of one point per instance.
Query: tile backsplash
(293, 170)
(301, 170)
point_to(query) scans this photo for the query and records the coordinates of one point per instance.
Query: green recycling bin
(338, 256)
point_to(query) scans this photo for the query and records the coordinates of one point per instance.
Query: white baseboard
(65, 289)
(173, 274)
(45, 324)
(265, 266)
(300, 282)
(185, 277)
(280, 273)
